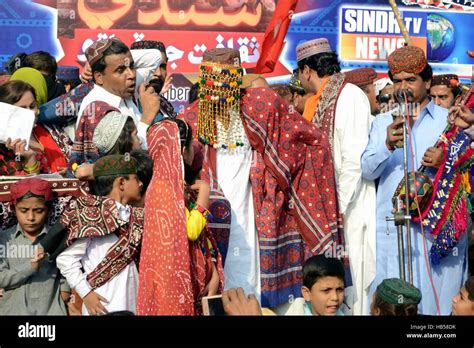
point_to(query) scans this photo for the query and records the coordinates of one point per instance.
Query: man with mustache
(114, 75)
(383, 159)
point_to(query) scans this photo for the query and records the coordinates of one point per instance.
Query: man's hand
(433, 157)
(93, 303)
(461, 116)
(395, 134)
(150, 101)
(38, 256)
(236, 303)
(86, 75)
(167, 84)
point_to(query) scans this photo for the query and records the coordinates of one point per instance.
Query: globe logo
(441, 39)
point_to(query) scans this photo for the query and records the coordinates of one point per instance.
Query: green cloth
(36, 80)
(115, 165)
(398, 292)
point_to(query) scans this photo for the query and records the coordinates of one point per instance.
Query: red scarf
(173, 271)
(52, 151)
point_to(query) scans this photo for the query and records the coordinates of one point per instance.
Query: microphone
(401, 95)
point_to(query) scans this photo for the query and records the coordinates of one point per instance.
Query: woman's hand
(18, 147)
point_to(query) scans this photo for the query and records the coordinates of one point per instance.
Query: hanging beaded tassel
(219, 122)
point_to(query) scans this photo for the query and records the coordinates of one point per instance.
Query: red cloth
(293, 188)
(173, 270)
(273, 40)
(52, 151)
(34, 185)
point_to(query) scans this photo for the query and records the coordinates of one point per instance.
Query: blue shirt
(379, 162)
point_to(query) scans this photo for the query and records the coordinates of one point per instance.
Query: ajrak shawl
(293, 188)
(94, 216)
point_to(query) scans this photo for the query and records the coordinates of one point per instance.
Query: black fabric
(55, 88)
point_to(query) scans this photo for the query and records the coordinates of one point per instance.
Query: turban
(35, 186)
(448, 80)
(115, 165)
(108, 131)
(310, 48)
(147, 45)
(398, 292)
(96, 51)
(361, 77)
(409, 59)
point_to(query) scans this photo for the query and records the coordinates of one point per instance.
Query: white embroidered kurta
(242, 264)
(120, 291)
(356, 195)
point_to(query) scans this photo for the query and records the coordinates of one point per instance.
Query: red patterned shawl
(293, 187)
(94, 216)
(173, 271)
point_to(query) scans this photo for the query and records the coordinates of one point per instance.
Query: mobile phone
(157, 84)
(212, 305)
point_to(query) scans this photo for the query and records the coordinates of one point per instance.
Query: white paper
(15, 123)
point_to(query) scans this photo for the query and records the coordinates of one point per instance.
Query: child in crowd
(322, 290)
(104, 239)
(32, 285)
(463, 303)
(395, 297)
(108, 132)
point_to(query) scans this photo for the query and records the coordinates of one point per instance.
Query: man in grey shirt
(31, 284)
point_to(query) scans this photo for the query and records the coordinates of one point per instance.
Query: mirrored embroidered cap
(96, 51)
(410, 59)
(398, 292)
(115, 165)
(448, 80)
(361, 77)
(312, 47)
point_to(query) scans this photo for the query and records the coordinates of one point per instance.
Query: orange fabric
(52, 152)
(312, 103)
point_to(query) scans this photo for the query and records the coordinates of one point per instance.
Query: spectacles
(385, 98)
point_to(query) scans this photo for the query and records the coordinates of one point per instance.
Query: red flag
(273, 40)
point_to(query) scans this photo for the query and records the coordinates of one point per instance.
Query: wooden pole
(400, 22)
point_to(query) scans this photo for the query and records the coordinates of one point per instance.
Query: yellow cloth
(195, 223)
(36, 80)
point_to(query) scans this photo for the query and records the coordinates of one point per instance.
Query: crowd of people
(274, 197)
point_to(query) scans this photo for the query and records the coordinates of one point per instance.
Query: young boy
(463, 303)
(32, 285)
(104, 238)
(395, 297)
(322, 290)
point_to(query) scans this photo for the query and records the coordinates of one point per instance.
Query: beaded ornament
(219, 122)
